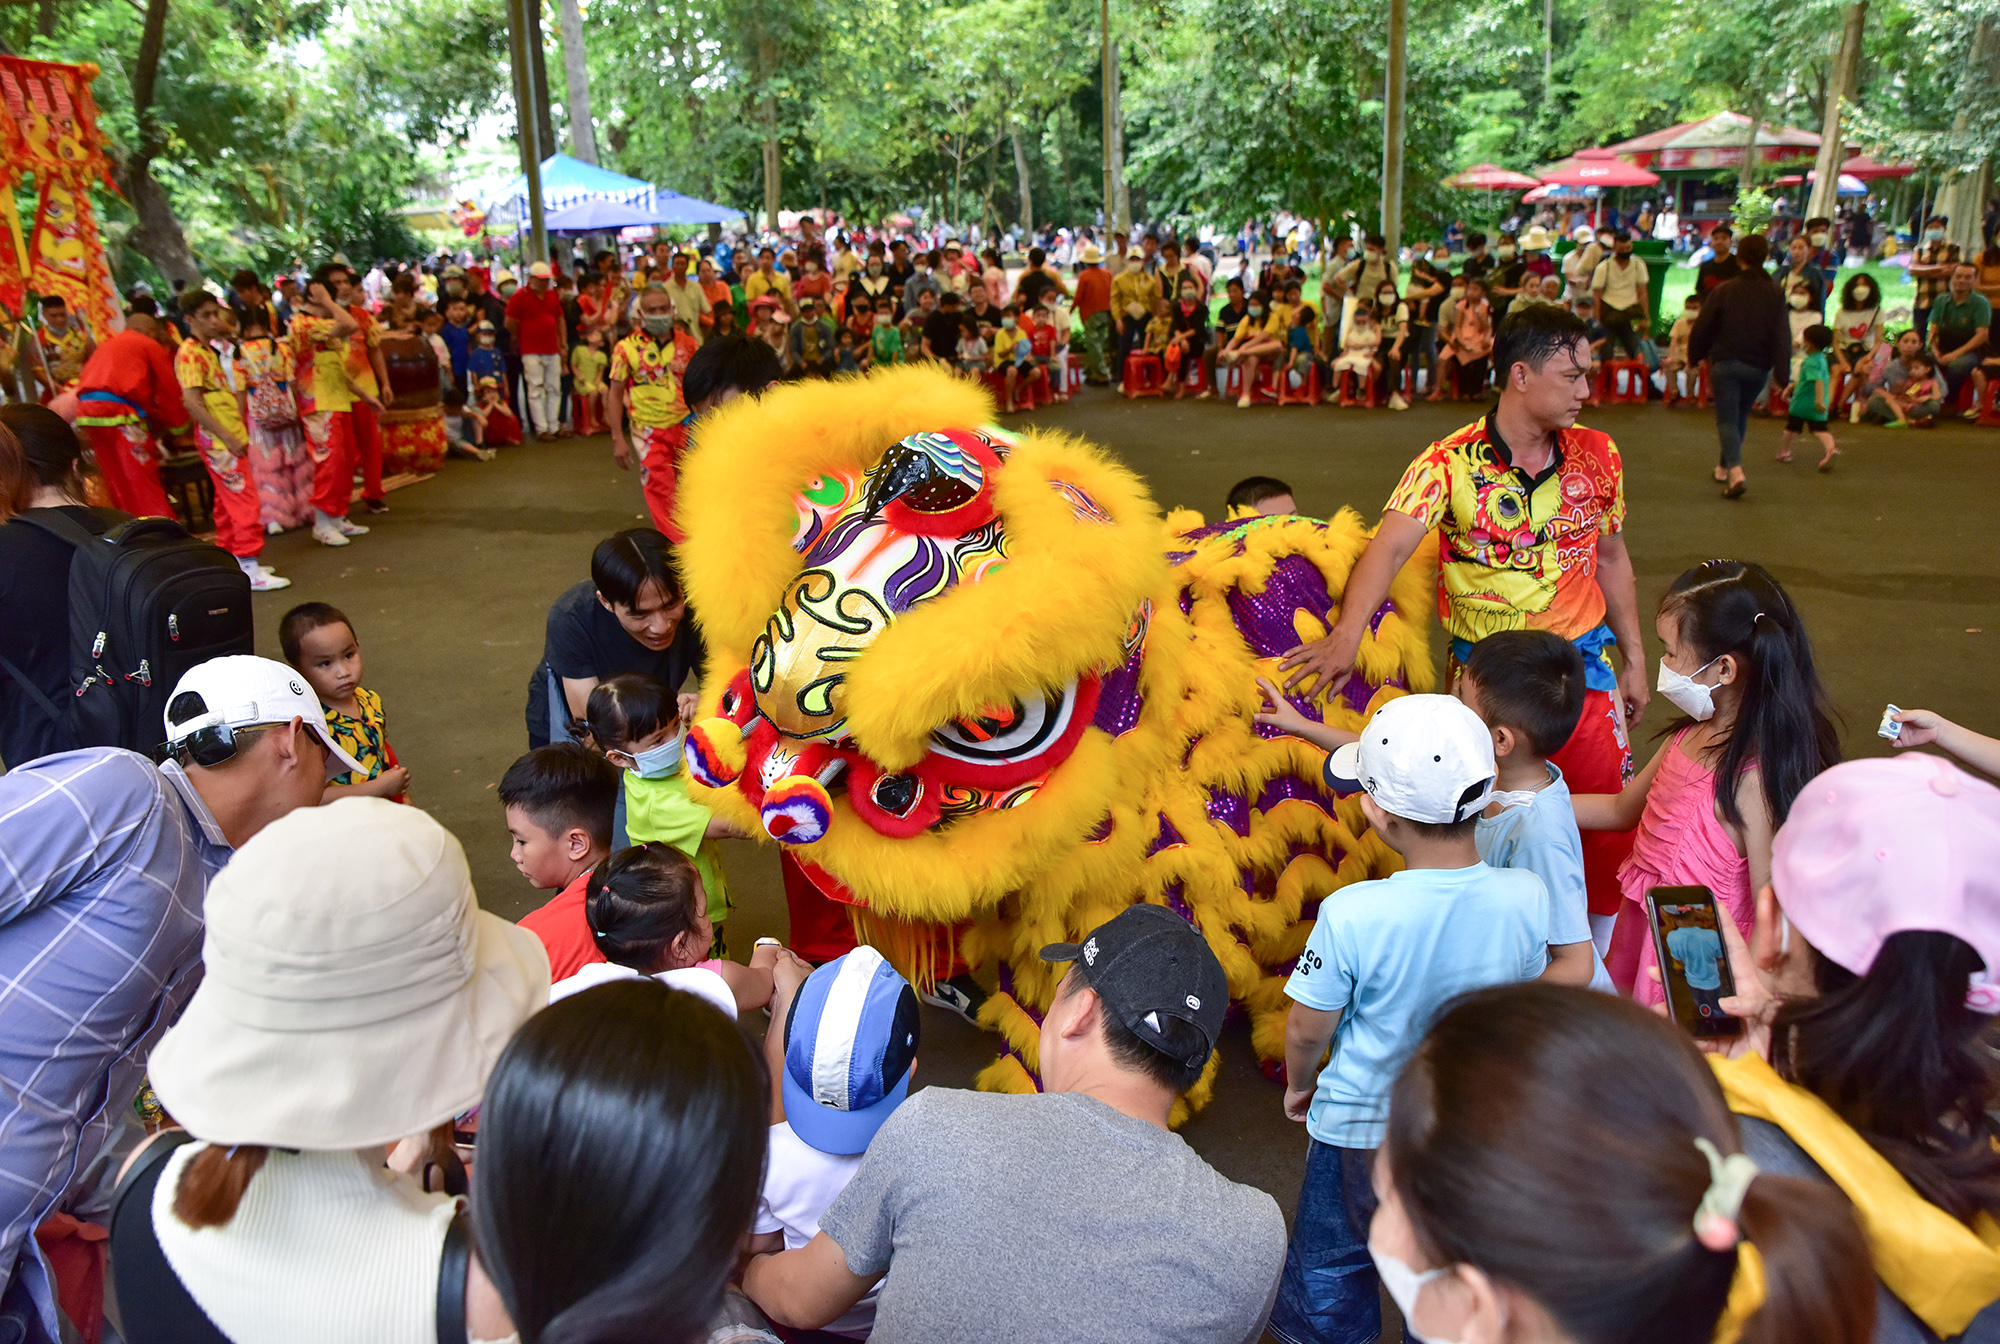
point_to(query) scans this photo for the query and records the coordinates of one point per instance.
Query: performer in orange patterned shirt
(1529, 509)
(643, 365)
(128, 396)
(369, 373)
(210, 395)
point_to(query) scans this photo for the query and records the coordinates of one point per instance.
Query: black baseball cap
(1149, 963)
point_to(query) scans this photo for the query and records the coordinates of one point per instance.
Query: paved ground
(1891, 558)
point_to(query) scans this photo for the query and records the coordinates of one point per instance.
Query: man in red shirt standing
(127, 388)
(535, 321)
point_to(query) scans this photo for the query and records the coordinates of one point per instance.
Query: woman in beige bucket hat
(355, 995)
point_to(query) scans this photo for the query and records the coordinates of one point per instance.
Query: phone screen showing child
(1694, 965)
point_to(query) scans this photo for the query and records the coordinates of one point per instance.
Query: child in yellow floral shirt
(319, 642)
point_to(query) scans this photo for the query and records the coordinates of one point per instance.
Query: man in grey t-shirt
(1073, 1214)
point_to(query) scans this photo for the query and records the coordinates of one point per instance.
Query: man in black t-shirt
(942, 330)
(979, 306)
(1723, 267)
(901, 268)
(630, 615)
(1234, 309)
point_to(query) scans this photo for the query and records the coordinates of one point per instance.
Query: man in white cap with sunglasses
(105, 861)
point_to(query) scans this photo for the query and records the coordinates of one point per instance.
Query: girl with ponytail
(1738, 664)
(1560, 1168)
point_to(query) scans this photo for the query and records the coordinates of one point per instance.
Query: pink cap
(1891, 845)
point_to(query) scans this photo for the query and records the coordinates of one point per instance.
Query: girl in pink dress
(1737, 662)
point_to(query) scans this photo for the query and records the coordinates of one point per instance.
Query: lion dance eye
(1006, 733)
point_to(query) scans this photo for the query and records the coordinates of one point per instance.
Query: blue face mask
(657, 762)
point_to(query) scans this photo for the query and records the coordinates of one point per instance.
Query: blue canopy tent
(673, 208)
(566, 182)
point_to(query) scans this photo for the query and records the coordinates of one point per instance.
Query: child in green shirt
(887, 342)
(635, 722)
(1812, 394)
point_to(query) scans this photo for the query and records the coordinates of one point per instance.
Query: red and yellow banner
(50, 129)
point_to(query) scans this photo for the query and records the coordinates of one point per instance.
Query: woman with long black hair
(621, 1149)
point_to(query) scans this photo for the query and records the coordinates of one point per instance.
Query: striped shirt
(105, 860)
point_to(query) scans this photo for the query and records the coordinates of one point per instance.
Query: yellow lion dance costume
(970, 676)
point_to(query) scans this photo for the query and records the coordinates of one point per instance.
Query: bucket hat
(354, 992)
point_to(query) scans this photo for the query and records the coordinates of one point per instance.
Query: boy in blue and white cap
(842, 1048)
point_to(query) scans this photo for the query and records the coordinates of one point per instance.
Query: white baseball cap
(1422, 757)
(239, 690)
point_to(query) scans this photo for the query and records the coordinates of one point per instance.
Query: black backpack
(146, 603)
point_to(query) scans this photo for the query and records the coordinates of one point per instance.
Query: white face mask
(1404, 1284)
(1688, 695)
(1798, 300)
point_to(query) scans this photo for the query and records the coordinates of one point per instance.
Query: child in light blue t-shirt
(1382, 958)
(1527, 685)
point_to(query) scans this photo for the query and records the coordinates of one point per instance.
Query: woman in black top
(1743, 334)
(41, 467)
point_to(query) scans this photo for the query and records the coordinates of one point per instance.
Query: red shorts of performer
(128, 458)
(238, 528)
(368, 449)
(659, 448)
(1598, 759)
(821, 928)
(330, 441)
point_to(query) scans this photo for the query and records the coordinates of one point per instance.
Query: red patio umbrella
(1863, 167)
(1491, 177)
(1597, 168)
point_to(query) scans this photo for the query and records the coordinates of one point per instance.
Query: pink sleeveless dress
(1680, 842)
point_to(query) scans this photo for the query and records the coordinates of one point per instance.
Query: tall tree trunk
(1027, 185)
(158, 235)
(1961, 197)
(1121, 194)
(1395, 85)
(576, 83)
(1826, 170)
(767, 62)
(45, 19)
(1746, 176)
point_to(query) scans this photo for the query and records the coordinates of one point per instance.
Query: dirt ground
(1892, 558)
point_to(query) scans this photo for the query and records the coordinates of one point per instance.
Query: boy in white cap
(842, 1048)
(1382, 957)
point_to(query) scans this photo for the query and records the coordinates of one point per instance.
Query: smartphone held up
(1694, 963)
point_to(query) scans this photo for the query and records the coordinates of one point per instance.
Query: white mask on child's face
(1404, 1285)
(1798, 301)
(1688, 695)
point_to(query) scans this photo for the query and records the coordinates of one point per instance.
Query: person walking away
(1744, 335)
(127, 396)
(1737, 662)
(109, 861)
(1566, 483)
(1866, 994)
(535, 326)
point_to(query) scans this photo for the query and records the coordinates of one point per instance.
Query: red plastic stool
(1145, 376)
(1355, 388)
(1305, 394)
(1704, 395)
(1989, 412)
(1265, 388)
(1624, 382)
(1196, 378)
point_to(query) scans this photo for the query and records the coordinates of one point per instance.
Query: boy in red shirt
(559, 801)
